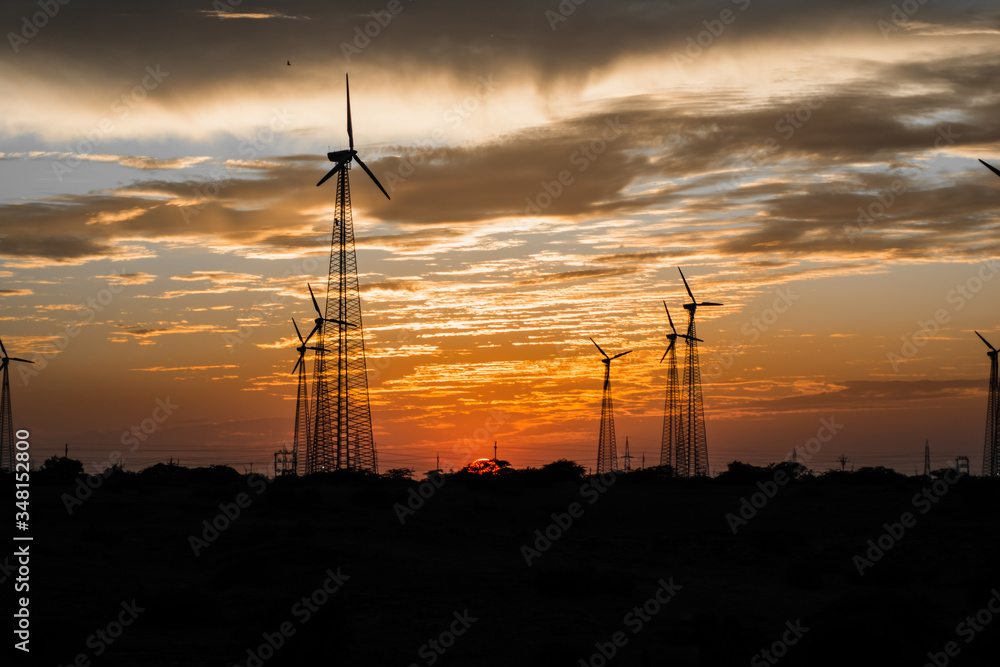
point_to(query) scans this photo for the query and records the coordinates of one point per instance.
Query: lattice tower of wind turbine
(342, 437)
(693, 440)
(607, 455)
(991, 449)
(670, 445)
(303, 425)
(6, 415)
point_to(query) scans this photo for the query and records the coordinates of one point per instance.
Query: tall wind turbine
(607, 455)
(342, 437)
(670, 445)
(6, 418)
(991, 450)
(693, 441)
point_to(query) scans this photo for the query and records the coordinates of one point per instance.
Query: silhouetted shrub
(58, 470)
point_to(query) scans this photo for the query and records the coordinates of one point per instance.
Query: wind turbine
(344, 157)
(991, 450)
(991, 168)
(302, 412)
(6, 418)
(670, 445)
(607, 456)
(342, 437)
(693, 441)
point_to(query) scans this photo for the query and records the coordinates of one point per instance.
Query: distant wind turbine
(6, 417)
(302, 412)
(607, 456)
(693, 441)
(991, 449)
(670, 451)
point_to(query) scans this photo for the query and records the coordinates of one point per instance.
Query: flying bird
(289, 62)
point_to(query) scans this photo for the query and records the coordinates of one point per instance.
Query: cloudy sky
(812, 166)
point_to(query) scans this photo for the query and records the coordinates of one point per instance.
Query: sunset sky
(812, 166)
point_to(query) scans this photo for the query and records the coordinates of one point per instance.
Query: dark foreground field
(455, 572)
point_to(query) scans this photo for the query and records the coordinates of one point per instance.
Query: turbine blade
(297, 332)
(3, 348)
(669, 319)
(599, 348)
(315, 304)
(691, 338)
(311, 333)
(328, 175)
(297, 363)
(669, 347)
(710, 303)
(688, 288)
(350, 128)
(991, 168)
(369, 172)
(16, 359)
(986, 341)
(620, 355)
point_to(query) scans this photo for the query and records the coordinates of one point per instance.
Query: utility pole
(843, 462)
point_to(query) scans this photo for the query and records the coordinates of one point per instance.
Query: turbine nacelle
(693, 306)
(342, 157)
(992, 354)
(607, 360)
(5, 360)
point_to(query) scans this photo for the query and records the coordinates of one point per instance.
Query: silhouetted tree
(59, 469)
